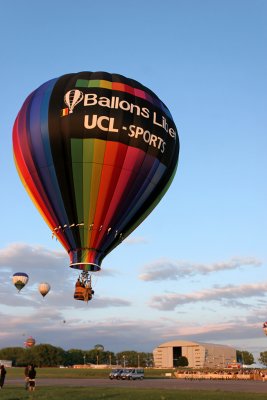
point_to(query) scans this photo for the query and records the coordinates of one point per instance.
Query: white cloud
(35, 259)
(135, 240)
(171, 301)
(165, 269)
(107, 302)
(39, 263)
(46, 265)
(20, 253)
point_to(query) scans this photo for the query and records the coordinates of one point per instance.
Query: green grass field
(13, 373)
(78, 393)
(95, 393)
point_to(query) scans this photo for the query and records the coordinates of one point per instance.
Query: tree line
(244, 357)
(247, 358)
(263, 358)
(46, 355)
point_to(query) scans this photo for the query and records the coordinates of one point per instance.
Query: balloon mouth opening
(86, 266)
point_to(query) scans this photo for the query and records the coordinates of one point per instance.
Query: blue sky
(196, 268)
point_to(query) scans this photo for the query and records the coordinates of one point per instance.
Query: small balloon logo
(72, 98)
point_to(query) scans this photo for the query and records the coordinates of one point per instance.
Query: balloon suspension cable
(94, 277)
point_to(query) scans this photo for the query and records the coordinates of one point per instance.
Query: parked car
(115, 373)
(133, 373)
(125, 373)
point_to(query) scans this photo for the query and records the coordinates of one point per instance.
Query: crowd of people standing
(29, 376)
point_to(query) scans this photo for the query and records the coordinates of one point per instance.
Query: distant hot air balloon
(30, 342)
(99, 347)
(96, 168)
(44, 288)
(20, 279)
(264, 327)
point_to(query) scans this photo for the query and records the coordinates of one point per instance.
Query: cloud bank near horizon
(117, 334)
(29, 314)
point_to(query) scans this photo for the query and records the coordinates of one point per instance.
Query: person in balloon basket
(32, 375)
(2, 376)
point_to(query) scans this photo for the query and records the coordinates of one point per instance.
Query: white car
(115, 374)
(133, 373)
(125, 373)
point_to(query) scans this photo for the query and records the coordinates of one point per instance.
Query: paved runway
(172, 384)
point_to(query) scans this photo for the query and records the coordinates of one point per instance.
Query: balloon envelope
(264, 327)
(99, 347)
(20, 279)
(44, 288)
(96, 153)
(30, 342)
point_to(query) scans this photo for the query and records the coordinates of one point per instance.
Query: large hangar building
(199, 355)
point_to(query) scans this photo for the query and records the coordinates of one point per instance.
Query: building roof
(184, 343)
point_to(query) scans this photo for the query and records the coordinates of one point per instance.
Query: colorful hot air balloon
(96, 153)
(44, 288)
(264, 327)
(20, 279)
(30, 342)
